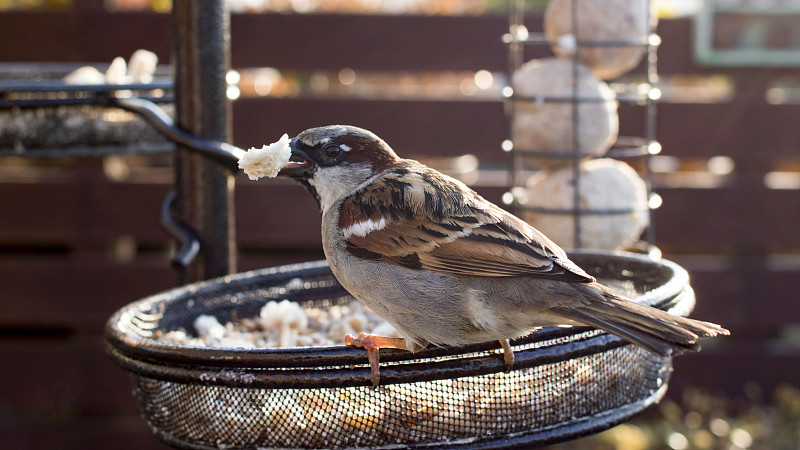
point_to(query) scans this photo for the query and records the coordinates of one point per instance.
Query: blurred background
(80, 235)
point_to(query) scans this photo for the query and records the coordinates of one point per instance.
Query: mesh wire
(414, 413)
(203, 410)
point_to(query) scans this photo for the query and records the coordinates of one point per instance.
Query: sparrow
(446, 267)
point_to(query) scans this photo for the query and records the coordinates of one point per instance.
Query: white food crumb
(175, 337)
(142, 66)
(284, 324)
(284, 314)
(357, 322)
(236, 343)
(266, 161)
(209, 326)
(139, 69)
(85, 75)
(115, 74)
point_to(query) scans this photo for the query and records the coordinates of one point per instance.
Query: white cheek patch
(334, 182)
(364, 228)
(345, 147)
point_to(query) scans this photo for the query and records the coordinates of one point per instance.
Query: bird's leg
(372, 343)
(508, 354)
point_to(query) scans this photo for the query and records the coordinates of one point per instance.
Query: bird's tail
(655, 330)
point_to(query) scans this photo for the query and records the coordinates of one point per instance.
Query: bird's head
(333, 160)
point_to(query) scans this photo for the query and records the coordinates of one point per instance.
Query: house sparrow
(445, 266)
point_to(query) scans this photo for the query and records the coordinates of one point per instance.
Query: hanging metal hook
(190, 243)
(220, 152)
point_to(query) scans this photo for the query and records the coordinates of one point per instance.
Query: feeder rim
(273, 366)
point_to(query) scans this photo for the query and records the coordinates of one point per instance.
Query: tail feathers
(655, 330)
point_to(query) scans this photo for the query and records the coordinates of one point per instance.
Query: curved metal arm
(190, 243)
(221, 152)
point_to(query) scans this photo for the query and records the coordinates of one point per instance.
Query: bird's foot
(372, 343)
(508, 354)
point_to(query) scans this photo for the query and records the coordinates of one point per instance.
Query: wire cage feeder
(525, 160)
(565, 383)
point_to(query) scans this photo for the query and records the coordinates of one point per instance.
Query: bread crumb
(266, 161)
(283, 324)
(116, 71)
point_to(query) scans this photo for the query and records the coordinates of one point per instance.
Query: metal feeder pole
(201, 53)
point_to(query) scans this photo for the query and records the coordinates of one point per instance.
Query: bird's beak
(299, 167)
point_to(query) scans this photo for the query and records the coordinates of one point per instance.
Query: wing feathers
(419, 218)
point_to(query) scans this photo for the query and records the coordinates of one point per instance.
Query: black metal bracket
(190, 242)
(220, 152)
(223, 153)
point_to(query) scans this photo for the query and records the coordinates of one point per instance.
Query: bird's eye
(333, 151)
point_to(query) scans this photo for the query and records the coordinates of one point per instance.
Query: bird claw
(508, 355)
(363, 341)
(372, 344)
(355, 342)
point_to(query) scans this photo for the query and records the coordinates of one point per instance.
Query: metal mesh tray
(567, 382)
(41, 116)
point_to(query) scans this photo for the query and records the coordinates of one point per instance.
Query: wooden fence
(76, 245)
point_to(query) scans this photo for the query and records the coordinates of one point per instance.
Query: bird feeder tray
(42, 116)
(567, 382)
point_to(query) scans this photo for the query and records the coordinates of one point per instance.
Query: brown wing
(422, 219)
